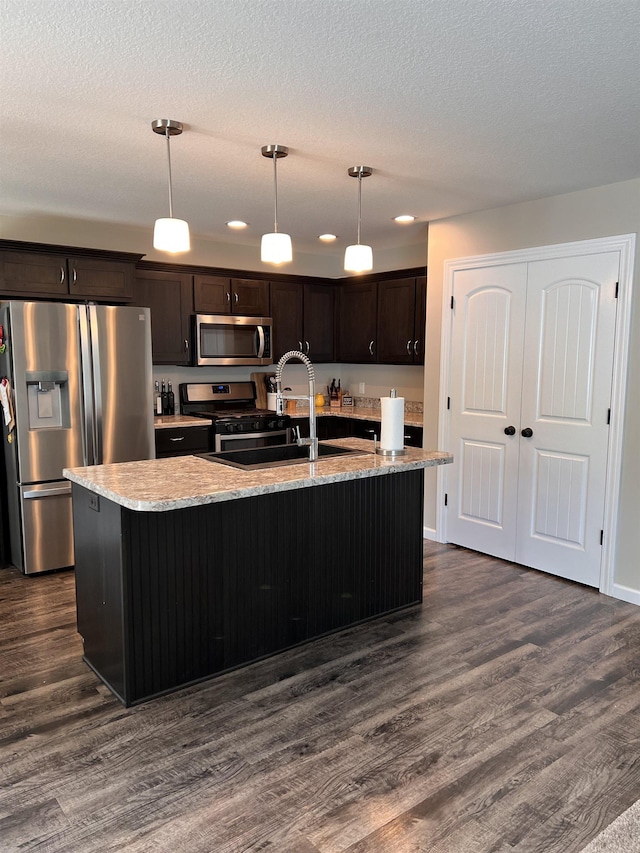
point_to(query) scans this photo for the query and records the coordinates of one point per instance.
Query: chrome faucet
(312, 441)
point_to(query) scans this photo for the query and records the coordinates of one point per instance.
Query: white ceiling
(458, 105)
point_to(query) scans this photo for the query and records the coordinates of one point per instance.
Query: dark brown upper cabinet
(303, 317)
(169, 296)
(356, 327)
(214, 294)
(401, 320)
(381, 321)
(97, 276)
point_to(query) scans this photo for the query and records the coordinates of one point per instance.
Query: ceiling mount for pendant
(170, 234)
(276, 247)
(359, 258)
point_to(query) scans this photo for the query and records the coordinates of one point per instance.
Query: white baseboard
(429, 533)
(625, 593)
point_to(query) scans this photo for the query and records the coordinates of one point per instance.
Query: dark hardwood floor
(502, 715)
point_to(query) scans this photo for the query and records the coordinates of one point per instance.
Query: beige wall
(601, 212)
(67, 231)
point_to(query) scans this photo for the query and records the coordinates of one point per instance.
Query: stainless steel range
(237, 422)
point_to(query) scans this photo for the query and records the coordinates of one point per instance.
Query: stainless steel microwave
(227, 339)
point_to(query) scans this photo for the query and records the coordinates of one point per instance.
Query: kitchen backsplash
(377, 379)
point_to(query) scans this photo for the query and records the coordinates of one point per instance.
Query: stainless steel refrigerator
(81, 385)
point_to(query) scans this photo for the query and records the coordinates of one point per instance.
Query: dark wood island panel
(166, 599)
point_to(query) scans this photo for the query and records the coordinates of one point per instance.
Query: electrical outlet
(361, 388)
(94, 502)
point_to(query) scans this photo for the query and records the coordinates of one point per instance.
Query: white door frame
(625, 244)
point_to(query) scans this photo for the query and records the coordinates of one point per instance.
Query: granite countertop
(167, 421)
(358, 412)
(158, 485)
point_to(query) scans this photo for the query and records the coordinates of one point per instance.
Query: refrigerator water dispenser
(48, 400)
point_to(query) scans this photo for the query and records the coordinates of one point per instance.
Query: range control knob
(256, 424)
(271, 424)
(281, 424)
(229, 427)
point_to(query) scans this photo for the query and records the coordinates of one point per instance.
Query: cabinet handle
(510, 430)
(228, 296)
(415, 347)
(300, 346)
(306, 351)
(235, 295)
(527, 432)
(177, 439)
(370, 347)
(75, 275)
(409, 347)
(61, 275)
(186, 345)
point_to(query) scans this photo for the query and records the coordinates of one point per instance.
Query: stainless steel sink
(273, 457)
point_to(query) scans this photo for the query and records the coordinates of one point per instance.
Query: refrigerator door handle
(87, 386)
(47, 493)
(97, 385)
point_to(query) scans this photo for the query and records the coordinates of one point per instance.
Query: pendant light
(359, 258)
(275, 248)
(170, 235)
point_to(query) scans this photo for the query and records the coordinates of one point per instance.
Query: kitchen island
(186, 568)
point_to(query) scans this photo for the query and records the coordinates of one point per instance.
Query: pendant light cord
(275, 192)
(359, 204)
(169, 165)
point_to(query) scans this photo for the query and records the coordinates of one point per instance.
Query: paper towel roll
(392, 433)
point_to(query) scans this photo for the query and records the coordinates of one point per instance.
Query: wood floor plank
(502, 715)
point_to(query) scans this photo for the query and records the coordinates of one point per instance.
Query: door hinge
(608, 416)
(452, 303)
(448, 402)
(617, 288)
(446, 499)
(601, 536)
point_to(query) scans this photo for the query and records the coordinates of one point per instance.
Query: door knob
(510, 430)
(527, 432)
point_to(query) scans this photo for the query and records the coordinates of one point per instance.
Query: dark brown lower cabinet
(166, 599)
(183, 441)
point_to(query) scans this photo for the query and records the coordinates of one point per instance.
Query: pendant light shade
(359, 258)
(170, 234)
(275, 247)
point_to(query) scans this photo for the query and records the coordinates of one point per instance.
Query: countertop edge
(222, 493)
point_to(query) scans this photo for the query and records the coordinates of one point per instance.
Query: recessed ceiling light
(236, 223)
(405, 217)
(327, 238)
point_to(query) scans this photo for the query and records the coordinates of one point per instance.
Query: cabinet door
(318, 322)
(287, 313)
(419, 330)
(356, 327)
(396, 320)
(170, 298)
(211, 294)
(95, 279)
(30, 273)
(365, 429)
(249, 296)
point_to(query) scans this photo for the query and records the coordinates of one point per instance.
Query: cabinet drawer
(183, 440)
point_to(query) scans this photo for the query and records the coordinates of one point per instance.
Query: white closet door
(486, 381)
(566, 384)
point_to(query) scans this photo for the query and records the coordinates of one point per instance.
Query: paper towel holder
(403, 451)
(391, 453)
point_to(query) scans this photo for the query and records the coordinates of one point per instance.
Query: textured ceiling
(458, 105)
